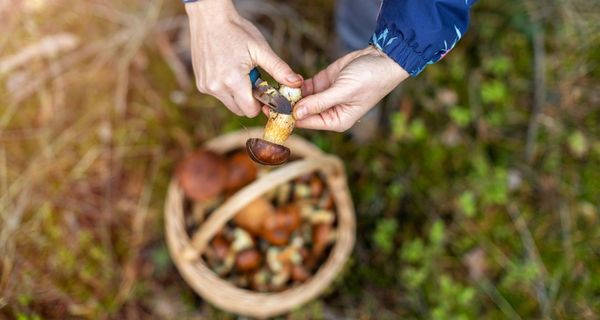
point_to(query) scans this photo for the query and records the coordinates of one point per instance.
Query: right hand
(225, 47)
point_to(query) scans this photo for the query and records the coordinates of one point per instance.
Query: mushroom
(316, 186)
(326, 202)
(280, 278)
(273, 259)
(278, 228)
(283, 193)
(260, 279)
(220, 247)
(252, 217)
(302, 191)
(241, 171)
(248, 260)
(322, 216)
(241, 240)
(274, 232)
(322, 237)
(270, 149)
(299, 273)
(289, 217)
(202, 175)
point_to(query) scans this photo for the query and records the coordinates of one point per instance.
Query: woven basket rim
(184, 250)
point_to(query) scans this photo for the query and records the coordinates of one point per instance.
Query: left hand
(341, 94)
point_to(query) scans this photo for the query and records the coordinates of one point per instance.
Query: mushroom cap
(288, 217)
(220, 247)
(202, 175)
(248, 260)
(241, 171)
(267, 153)
(252, 217)
(299, 273)
(321, 237)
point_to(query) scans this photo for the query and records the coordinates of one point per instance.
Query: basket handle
(329, 165)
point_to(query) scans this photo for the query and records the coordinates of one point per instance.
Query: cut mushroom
(270, 149)
(322, 217)
(241, 240)
(202, 175)
(281, 278)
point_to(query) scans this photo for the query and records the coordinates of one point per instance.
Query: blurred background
(478, 198)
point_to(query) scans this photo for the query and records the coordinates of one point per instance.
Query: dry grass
(96, 103)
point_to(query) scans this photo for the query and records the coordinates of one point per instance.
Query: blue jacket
(416, 33)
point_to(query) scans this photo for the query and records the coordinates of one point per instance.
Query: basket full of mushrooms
(254, 239)
(257, 240)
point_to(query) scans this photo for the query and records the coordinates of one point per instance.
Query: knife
(265, 93)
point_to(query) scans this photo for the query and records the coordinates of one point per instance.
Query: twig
(177, 67)
(65, 64)
(533, 255)
(132, 47)
(498, 299)
(539, 84)
(49, 46)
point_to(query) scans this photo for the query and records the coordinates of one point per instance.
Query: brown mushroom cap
(289, 218)
(267, 153)
(321, 236)
(202, 175)
(248, 260)
(274, 232)
(252, 217)
(241, 171)
(299, 273)
(220, 247)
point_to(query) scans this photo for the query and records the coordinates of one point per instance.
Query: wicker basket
(186, 251)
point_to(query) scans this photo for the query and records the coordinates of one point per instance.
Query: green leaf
(384, 234)
(493, 92)
(461, 116)
(413, 251)
(418, 130)
(399, 125)
(467, 203)
(578, 144)
(436, 234)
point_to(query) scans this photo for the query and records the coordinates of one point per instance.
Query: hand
(225, 47)
(340, 95)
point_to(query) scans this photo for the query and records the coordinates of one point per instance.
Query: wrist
(394, 67)
(214, 7)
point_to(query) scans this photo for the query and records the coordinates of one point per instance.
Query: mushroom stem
(279, 127)
(270, 150)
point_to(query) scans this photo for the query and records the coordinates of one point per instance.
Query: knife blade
(265, 93)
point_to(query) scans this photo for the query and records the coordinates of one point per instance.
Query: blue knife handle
(254, 75)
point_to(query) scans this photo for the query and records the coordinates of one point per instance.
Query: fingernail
(300, 113)
(294, 78)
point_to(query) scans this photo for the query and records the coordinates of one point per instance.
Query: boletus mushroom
(278, 227)
(270, 149)
(252, 217)
(202, 175)
(248, 260)
(242, 171)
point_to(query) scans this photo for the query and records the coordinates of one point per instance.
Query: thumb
(319, 102)
(277, 68)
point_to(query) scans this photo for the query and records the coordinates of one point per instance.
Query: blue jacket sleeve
(416, 33)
